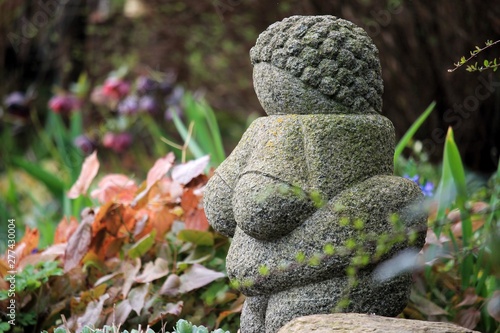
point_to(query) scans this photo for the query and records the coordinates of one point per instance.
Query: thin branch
(474, 54)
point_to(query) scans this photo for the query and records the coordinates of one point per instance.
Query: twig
(474, 54)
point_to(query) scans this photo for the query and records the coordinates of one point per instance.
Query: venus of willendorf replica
(312, 181)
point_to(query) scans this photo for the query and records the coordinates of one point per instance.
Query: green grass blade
(445, 193)
(206, 131)
(70, 157)
(403, 143)
(155, 131)
(489, 229)
(458, 173)
(195, 114)
(53, 183)
(451, 158)
(219, 152)
(183, 131)
(75, 123)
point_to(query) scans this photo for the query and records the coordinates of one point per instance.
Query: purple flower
(119, 142)
(115, 88)
(83, 143)
(15, 99)
(166, 86)
(130, 105)
(145, 84)
(175, 97)
(17, 104)
(64, 104)
(173, 109)
(427, 188)
(147, 104)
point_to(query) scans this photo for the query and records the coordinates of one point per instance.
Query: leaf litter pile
(145, 256)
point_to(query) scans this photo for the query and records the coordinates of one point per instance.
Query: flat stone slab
(362, 323)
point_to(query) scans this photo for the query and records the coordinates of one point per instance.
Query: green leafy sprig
(487, 64)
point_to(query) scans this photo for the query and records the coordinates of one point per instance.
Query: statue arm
(372, 201)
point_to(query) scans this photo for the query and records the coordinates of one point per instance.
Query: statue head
(316, 65)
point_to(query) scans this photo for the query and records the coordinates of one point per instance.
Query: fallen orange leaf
(65, 229)
(157, 172)
(197, 220)
(116, 188)
(160, 169)
(189, 201)
(89, 171)
(109, 218)
(162, 221)
(236, 307)
(184, 173)
(28, 243)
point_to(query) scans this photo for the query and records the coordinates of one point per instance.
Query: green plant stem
(403, 143)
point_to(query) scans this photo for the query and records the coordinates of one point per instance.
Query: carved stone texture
(308, 191)
(360, 323)
(323, 65)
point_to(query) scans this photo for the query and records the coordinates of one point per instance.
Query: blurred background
(126, 77)
(205, 45)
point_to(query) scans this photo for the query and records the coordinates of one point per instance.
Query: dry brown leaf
(468, 318)
(494, 306)
(426, 306)
(157, 172)
(4, 268)
(198, 276)
(27, 244)
(112, 247)
(169, 190)
(106, 278)
(469, 297)
(129, 218)
(476, 208)
(159, 169)
(109, 217)
(194, 215)
(129, 271)
(197, 220)
(153, 271)
(162, 221)
(171, 286)
(137, 297)
(143, 224)
(49, 254)
(184, 173)
(477, 222)
(120, 313)
(115, 188)
(189, 201)
(79, 242)
(90, 168)
(93, 313)
(162, 311)
(79, 304)
(65, 229)
(235, 308)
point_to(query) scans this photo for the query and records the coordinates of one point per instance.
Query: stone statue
(313, 179)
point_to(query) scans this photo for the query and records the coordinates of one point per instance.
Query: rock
(308, 193)
(361, 323)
